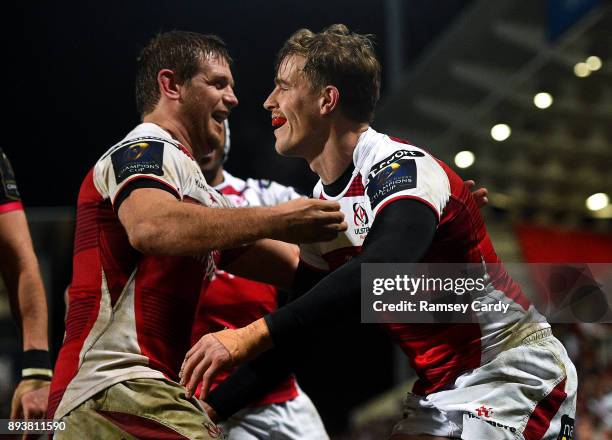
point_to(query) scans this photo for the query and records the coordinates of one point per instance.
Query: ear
(168, 86)
(330, 98)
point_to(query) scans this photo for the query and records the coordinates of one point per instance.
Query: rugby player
(20, 272)
(147, 222)
(231, 301)
(493, 379)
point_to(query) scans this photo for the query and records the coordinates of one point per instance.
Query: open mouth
(278, 121)
(219, 117)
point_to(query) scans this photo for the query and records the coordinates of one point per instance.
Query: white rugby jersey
(130, 315)
(387, 169)
(255, 192)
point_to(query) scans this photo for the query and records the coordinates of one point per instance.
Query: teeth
(277, 121)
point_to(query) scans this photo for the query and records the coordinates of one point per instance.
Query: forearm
(33, 309)
(157, 223)
(193, 230)
(268, 261)
(21, 274)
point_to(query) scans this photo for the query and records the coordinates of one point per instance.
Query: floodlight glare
(594, 63)
(597, 201)
(581, 70)
(543, 100)
(464, 159)
(500, 132)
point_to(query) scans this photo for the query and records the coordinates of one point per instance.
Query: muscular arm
(21, 274)
(402, 232)
(157, 223)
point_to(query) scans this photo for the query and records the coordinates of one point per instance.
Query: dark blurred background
(516, 95)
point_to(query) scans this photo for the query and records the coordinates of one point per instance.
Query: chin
(282, 149)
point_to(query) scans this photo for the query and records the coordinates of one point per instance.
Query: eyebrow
(280, 82)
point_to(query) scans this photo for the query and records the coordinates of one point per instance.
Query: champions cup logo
(136, 151)
(360, 216)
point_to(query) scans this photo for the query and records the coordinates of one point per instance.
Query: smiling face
(295, 111)
(207, 100)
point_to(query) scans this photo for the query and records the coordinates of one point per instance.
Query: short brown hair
(341, 58)
(178, 51)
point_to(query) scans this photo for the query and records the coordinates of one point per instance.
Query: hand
(30, 399)
(309, 221)
(480, 195)
(220, 351)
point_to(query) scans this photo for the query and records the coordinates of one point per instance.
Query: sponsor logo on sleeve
(393, 174)
(567, 428)
(145, 157)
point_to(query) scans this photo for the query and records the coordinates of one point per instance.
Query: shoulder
(271, 192)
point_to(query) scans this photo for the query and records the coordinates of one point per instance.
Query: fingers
(480, 196)
(470, 184)
(26, 410)
(331, 217)
(208, 378)
(191, 381)
(203, 360)
(193, 357)
(326, 205)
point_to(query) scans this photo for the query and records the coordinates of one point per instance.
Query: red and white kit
(496, 378)
(230, 301)
(130, 315)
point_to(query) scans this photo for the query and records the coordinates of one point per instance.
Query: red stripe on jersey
(356, 189)
(11, 206)
(230, 190)
(440, 353)
(142, 428)
(186, 151)
(84, 303)
(165, 306)
(544, 412)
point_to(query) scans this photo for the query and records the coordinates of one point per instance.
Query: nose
(270, 103)
(230, 98)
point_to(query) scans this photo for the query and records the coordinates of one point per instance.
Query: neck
(172, 125)
(337, 153)
(214, 177)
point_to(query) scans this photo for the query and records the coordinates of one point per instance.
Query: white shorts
(295, 419)
(526, 392)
